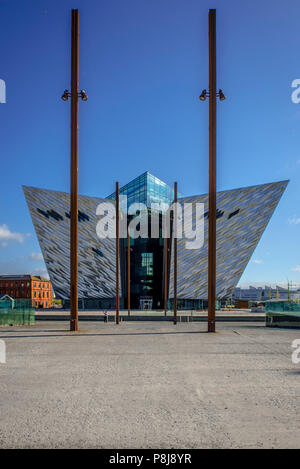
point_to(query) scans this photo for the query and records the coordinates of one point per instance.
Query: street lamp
(74, 95)
(202, 96)
(82, 94)
(221, 95)
(212, 94)
(205, 94)
(65, 95)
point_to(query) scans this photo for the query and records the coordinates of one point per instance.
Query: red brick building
(28, 287)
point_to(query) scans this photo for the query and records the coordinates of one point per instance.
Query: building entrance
(145, 303)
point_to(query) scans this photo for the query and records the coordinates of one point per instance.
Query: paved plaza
(149, 385)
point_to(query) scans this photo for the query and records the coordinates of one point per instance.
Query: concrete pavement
(149, 385)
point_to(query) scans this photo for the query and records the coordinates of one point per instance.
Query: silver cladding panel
(96, 270)
(237, 238)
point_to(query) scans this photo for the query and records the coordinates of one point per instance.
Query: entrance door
(145, 304)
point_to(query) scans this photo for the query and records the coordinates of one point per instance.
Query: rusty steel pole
(117, 257)
(212, 173)
(74, 174)
(128, 271)
(165, 270)
(175, 252)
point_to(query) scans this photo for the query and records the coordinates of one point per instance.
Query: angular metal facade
(242, 216)
(50, 213)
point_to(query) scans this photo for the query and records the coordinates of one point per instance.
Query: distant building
(266, 293)
(28, 287)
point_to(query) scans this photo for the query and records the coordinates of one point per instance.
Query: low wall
(184, 316)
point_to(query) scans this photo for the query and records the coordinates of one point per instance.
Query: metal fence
(17, 312)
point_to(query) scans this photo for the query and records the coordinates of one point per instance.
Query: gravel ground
(149, 385)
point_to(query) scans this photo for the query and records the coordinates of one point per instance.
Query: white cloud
(257, 261)
(294, 220)
(43, 272)
(296, 269)
(7, 235)
(36, 256)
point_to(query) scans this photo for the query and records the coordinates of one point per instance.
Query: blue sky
(144, 65)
